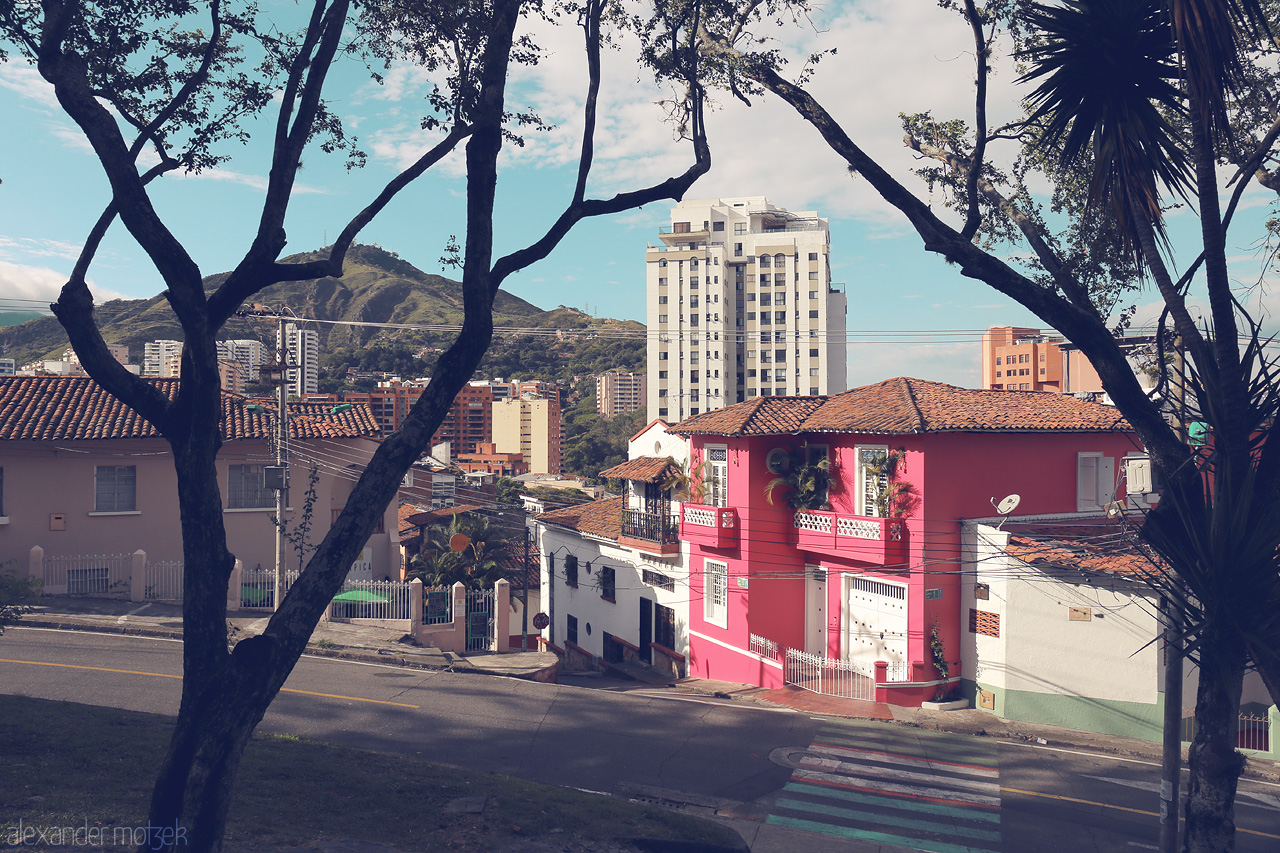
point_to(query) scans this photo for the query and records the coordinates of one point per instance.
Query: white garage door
(875, 620)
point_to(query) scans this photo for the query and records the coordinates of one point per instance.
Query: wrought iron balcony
(655, 532)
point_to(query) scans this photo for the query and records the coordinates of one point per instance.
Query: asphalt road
(878, 786)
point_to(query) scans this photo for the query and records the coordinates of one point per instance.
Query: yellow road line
(179, 677)
(1112, 806)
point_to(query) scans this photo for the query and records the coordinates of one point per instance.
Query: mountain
(377, 287)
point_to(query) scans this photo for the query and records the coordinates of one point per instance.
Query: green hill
(376, 287)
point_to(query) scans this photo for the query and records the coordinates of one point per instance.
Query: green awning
(359, 595)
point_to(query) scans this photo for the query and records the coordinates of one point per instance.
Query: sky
(910, 314)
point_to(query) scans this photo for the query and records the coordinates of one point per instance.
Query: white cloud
(42, 284)
(31, 247)
(26, 81)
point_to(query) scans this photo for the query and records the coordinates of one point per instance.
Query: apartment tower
(740, 305)
(302, 353)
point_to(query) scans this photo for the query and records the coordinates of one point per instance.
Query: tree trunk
(1213, 761)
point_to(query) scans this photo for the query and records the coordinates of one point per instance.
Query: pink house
(82, 474)
(865, 564)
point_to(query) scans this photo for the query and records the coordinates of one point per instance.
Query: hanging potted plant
(808, 479)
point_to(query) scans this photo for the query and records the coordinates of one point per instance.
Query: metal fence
(764, 647)
(847, 679)
(480, 620)
(257, 587)
(104, 575)
(372, 600)
(437, 605)
(164, 580)
(1253, 731)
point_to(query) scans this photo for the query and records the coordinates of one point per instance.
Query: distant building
(302, 350)
(1015, 358)
(162, 358)
(7, 367)
(618, 393)
(231, 376)
(248, 353)
(487, 459)
(531, 426)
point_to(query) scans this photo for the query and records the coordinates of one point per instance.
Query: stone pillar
(35, 564)
(502, 616)
(138, 576)
(1273, 732)
(415, 603)
(233, 587)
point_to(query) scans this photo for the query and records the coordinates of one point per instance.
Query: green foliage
(298, 536)
(895, 497)
(807, 480)
(938, 651)
(491, 552)
(18, 596)
(592, 443)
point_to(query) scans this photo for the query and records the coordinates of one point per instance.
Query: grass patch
(62, 764)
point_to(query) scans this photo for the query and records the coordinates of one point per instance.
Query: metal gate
(830, 677)
(480, 620)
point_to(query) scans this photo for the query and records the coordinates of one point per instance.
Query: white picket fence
(257, 587)
(391, 601)
(164, 580)
(98, 575)
(848, 679)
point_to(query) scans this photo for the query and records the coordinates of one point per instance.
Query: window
(115, 488)
(1042, 358)
(751, 353)
(765, 260)
(813, 315)
(662, 263)
(662, 300)
(662, 318)
(871, 482)
(571, 627)
(693, 263)
(813, 294)
(247, 488)
(751, 315)
(737, 250)
(1095, 476)
(693, 358)
(715, 595)
(717, 475)
(779, 260)
(662, 374)
(662, 392)
(570, 570)
(764, 376)
(662, 413)
(658, 579)
(813, 256)
(751, 297)
(813, 353)
(680, 228)
(813, 390)
(813, 275)
(780, 317)
(997, 361)
(693, 282)
(766, 318)
(766, 279)
(765, 299)
(717, 226)
(664, 627)
(780, 299)
(997, 374)
(607, 582)
(984, 622)
(739, 228)
(662, 356)
(1042, 371)
(766, 356)
(693, 376)
(780, 355)
(813, 371)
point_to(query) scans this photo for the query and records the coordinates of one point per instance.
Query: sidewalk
(381, 645)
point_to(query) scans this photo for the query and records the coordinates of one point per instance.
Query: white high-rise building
(162, 358)
(249, 353)
(741, 304)
(301, 348)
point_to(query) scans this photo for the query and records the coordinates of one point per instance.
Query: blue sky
(893, 57)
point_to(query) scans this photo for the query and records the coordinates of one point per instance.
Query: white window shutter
(1087, 485)
(1106, 480)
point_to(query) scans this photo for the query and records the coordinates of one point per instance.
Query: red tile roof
(1097, 546)
(645, 469)
(68, 408)
(757, 416)
(601, 518)
(904, 406)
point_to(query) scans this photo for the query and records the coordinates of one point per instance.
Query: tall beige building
(532, 426)
(741, 304)
(618, 393)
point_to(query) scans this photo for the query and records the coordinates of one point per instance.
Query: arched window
(764, 260)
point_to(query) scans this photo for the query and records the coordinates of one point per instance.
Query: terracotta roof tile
(644, 469)
(601, 518)
(757, 416)
(1098, 546)
(69, 408)
(903, 406)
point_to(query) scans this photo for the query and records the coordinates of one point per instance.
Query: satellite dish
(778, 461)
(458, 542)
(1007, 505)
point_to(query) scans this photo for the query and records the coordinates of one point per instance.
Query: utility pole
(282, 461)
(524, 594)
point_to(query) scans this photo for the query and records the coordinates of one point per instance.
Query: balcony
(710, 526)
(878, 541)
(651, 532)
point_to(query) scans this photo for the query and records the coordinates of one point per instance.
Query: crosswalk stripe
(883, 837)
(894, 821)
(944, 794)
(943, 750)
(880, 771)
(932, 764)
(840, 792)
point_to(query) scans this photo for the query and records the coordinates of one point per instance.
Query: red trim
(579, 649)
(544, 641)
(623, 642)
(666, 651)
